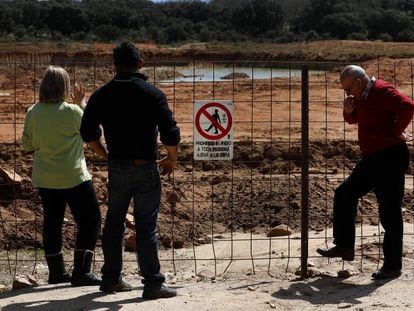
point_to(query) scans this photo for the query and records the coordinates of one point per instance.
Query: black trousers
(384, 173)
(85, 210)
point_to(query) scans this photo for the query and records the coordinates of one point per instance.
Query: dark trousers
(142, 183)
(383, 173)
(85, 210)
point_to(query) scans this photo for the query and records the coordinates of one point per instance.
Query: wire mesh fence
(292, 148)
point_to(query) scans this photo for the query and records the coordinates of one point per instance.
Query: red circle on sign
(203, 110)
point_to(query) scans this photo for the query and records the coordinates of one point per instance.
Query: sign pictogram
(213, 130)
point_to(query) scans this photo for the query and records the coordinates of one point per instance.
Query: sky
(162, 0)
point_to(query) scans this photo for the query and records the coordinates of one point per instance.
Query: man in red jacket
(382, 114)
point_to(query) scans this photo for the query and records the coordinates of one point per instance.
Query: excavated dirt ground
(259, 189)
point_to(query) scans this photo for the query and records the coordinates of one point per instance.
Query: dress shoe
(121, 286)
(386, 273)
(159, 292)
(346, 253)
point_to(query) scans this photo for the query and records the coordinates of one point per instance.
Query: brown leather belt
(140, 162)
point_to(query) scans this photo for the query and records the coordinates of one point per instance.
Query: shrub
(286, 37)
(107, 33)
(359, 36)
(407, 35)
(385, 37)
(311, 35)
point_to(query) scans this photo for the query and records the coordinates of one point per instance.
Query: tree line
(204, 21)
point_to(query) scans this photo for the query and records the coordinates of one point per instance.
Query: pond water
(219, 73)
(4, 93)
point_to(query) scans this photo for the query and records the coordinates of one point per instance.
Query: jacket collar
(129, 76)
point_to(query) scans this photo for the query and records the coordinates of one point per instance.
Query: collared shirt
(131, 112)
(368, 88)
(51, 130)
(382, 117)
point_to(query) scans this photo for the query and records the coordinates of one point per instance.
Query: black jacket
(131, 112)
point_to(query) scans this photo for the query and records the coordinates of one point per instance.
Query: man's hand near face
(349, 104)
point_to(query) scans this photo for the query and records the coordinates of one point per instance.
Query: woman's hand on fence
(79, 96)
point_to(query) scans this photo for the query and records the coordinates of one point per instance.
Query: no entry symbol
(219, 126)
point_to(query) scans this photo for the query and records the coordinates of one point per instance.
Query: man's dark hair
(126, 55)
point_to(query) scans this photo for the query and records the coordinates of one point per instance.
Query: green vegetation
(387, 20)
(276, 21)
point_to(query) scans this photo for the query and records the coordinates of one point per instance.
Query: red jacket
(381, 118)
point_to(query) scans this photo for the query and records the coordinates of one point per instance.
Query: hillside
(171, 22)
(321, 51)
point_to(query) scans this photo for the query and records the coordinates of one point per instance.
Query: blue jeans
(143, 184)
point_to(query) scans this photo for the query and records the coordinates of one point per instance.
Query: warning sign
(213, 130)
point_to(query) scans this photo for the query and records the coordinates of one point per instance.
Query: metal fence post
(305, 172)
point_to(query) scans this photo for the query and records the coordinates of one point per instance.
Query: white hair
(353, 71)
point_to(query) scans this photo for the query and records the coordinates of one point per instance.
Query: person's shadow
(57, 302)
(328, 290)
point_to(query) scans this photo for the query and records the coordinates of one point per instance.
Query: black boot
(346, 253)
(57, 271)
(82, 275)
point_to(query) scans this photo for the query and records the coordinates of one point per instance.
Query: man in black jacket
(132, 112)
